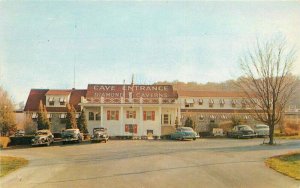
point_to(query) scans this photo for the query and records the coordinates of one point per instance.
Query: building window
(131, 128)
(98, 116)
(51, 101)
(211, 103)
(149, 115)
(91, 116)
(130, 114)
(62, 118)
(112, 115)
(233, 103)
(166, 118)
(222, 102)
(200, 101)
(244, 104)
(189, 103)
(62, 101)
(201, 118)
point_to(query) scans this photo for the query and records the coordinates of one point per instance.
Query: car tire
(194, 138)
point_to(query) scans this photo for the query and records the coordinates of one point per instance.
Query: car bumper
(188, 137)
(248, 135)
(37, 143)
(99, 139)
(69, 139)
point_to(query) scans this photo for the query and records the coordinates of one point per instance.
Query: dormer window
(200, 101)
(211, 103)
(222, 102)
(233, 103)
(244, 104)
(62, 101)
(189, 103)
(51, 101)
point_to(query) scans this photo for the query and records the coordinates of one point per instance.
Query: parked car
(71, 135)
(241, 131)
(99, 134)
(43, 137)
(20, 133)
(261, 130)
(183, 133)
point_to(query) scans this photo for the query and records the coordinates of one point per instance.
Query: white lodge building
(139, 110)
(131, 110)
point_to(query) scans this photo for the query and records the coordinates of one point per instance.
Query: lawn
(9, 164)
(288, 164)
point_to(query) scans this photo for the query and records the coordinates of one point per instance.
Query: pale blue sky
(108, 41)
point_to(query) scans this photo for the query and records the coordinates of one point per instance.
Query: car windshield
(97, 130)
(41, 133)
(186, 129)
(244, 128)
(262, 126)
(69, 131)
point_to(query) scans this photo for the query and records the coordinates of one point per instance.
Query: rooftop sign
(130, 91)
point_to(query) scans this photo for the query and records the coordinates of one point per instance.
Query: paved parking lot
(151, 163)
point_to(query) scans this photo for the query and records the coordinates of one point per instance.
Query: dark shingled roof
(35, 95)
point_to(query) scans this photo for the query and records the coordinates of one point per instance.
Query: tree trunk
(271, 134)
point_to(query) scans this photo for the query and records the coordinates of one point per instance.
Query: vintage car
(99, 134)
(42, 137)
(71, 135)
(261, 130)
(241, 131)
(183, 133)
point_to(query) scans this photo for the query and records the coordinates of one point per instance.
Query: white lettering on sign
(104, 88)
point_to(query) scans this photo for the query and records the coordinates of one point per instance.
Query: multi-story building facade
(205, 107)
(55, 102)
(125, 110)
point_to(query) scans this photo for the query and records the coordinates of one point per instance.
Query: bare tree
(267, 80)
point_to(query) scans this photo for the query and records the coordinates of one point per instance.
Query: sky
(107, 42)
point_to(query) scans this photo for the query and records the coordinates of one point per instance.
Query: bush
(24, 140)
(226, 126)
(291, 129)
(4, 141)
(211, 126)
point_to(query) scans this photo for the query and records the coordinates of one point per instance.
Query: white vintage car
(42, 137)
(261, 130)
(99, 134)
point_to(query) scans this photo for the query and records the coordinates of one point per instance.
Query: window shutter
(135, 128)
(117, 115)
(108, 115)
(134, 114)
(126, 128)
(144, 115)
(127, 114)
(153, 116)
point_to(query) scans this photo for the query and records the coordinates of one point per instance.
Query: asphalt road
(145, 163)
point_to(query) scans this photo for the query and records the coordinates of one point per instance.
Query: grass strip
(288, 164)
(9, 164)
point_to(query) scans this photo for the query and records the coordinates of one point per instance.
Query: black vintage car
(71, 135)
(99, 134)
(241, 131)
